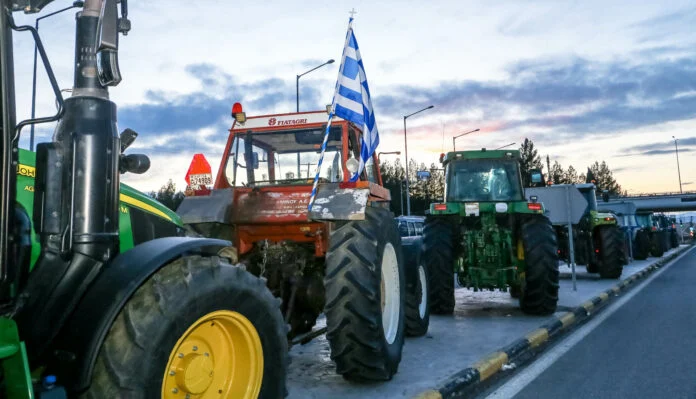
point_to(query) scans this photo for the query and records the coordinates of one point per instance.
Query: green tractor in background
(101, 295)
(489, 234)
(598, 241)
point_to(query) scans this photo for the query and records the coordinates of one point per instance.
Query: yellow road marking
(567, 319)
(537, 337)
(429, 395)
(491, 364)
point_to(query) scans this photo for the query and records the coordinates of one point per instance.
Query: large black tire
(641, 249)
(539, 293)
(438, 254)
(363, 347)
(417, 303)
(656, 247)
(133, 359)
(610, 252)
(674, 236)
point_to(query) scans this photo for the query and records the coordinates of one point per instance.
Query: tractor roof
(481, 154)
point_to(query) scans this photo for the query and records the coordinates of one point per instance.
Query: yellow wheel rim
(219, 356)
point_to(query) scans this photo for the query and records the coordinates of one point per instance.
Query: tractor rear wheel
(417, 304)
(539, 294)
(198, 327)
(675, 239)
(641, 249)
(610, 252)
(438, 252)
(656, 247)
(365, 297)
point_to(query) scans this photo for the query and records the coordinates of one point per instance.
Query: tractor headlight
(352, 165)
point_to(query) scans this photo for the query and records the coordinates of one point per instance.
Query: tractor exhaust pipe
(76, 194)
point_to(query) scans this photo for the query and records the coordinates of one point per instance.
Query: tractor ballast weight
(489, 235)
(342, 258)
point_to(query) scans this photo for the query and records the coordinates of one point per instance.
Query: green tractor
(598, 241)
(489, 235)
(101, 294)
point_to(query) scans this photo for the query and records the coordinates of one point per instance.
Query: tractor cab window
(284, 157)
(483, 180)
(403, 229)
(643, 220)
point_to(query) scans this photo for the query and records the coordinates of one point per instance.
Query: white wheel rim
(391, 293)
(424, 291)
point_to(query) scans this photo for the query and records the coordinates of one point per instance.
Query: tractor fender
(78, 343)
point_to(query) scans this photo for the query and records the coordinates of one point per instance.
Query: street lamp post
(676, 150)
(401, 190)
(76, 4)
(505, 146)
(454, 139)
(297, 81)
(408, 196)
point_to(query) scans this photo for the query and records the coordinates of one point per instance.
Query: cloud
(569, 98)
(166, 113)
(659, 148)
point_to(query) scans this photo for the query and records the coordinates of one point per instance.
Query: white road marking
(529, 374)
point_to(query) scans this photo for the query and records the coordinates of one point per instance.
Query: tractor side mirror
(107, 44)
(128, 136)
(134, 163)
(536, 178)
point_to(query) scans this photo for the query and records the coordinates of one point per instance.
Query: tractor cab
(483, 176)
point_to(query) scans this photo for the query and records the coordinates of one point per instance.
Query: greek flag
(351, 102)
(352, 98)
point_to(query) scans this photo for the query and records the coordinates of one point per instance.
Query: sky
(585, 80)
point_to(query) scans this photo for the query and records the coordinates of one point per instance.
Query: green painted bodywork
(492, 154)
(601, 219)
(459, 208)
(14, 362)
(129, 198)
(17, 382)
(489, 257)
(489, 260)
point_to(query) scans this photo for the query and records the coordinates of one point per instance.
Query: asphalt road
(644, 349)
(483, 322)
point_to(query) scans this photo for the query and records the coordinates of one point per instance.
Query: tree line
(423, 190)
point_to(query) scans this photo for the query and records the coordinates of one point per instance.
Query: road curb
(466, 380)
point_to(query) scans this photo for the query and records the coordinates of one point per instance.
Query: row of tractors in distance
(343, 258)
(101, 294)
(647, 233)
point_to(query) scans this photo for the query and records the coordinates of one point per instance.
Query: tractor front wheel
(438, 252)
(610, 252)
(539, 293)
(365, 297)
(198, 327)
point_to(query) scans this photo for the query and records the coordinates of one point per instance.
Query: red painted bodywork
(279, 212)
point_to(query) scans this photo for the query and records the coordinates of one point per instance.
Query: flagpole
(328, 125)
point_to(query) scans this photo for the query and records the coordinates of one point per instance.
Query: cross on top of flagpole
(352, 13)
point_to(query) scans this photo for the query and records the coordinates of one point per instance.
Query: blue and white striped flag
(352, 98)
(351, 102)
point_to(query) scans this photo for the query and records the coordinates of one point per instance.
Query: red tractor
(343, 258)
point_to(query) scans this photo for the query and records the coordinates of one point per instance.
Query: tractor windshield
(643, 220)
(283, 157)
(483, 180)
